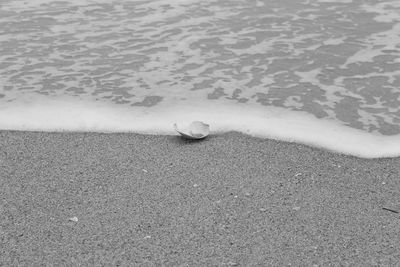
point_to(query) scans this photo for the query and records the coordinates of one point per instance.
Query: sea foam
(319, 72)
(272, 122)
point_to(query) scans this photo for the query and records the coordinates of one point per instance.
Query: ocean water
(320, 72)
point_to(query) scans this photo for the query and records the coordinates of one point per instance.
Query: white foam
(375, 44)
(276, 123)
(335, 1)
(388, 11)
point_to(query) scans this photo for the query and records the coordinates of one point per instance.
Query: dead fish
(196, 130)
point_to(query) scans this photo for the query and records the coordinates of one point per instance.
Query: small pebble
(296, 208)
(383, 182)
(73, 219)
(147, 237)
(263, 210)
(195, 185)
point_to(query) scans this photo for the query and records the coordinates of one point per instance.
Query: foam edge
(271, 122)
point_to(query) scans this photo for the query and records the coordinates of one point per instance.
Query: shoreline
(272, 122)
(230, 200)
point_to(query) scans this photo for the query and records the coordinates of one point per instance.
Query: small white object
(196, 130)
(73, 219)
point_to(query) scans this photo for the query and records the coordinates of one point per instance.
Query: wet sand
(231, 200)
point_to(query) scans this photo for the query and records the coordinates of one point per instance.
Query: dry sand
(230, 200)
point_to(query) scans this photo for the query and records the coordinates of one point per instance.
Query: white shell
(73, 219)
(196, 130)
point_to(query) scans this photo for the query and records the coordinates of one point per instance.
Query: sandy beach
(84, 199)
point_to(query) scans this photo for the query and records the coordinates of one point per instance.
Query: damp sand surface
(230, 200)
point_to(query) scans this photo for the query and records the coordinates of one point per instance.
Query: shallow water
(312, 62)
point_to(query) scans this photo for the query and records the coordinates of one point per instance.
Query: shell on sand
(196, 130)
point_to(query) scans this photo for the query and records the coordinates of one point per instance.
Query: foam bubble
(272, 122)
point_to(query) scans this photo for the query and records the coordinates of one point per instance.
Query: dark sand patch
(158, 200)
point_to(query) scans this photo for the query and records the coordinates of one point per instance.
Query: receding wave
(321, 72)
(273, 122)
